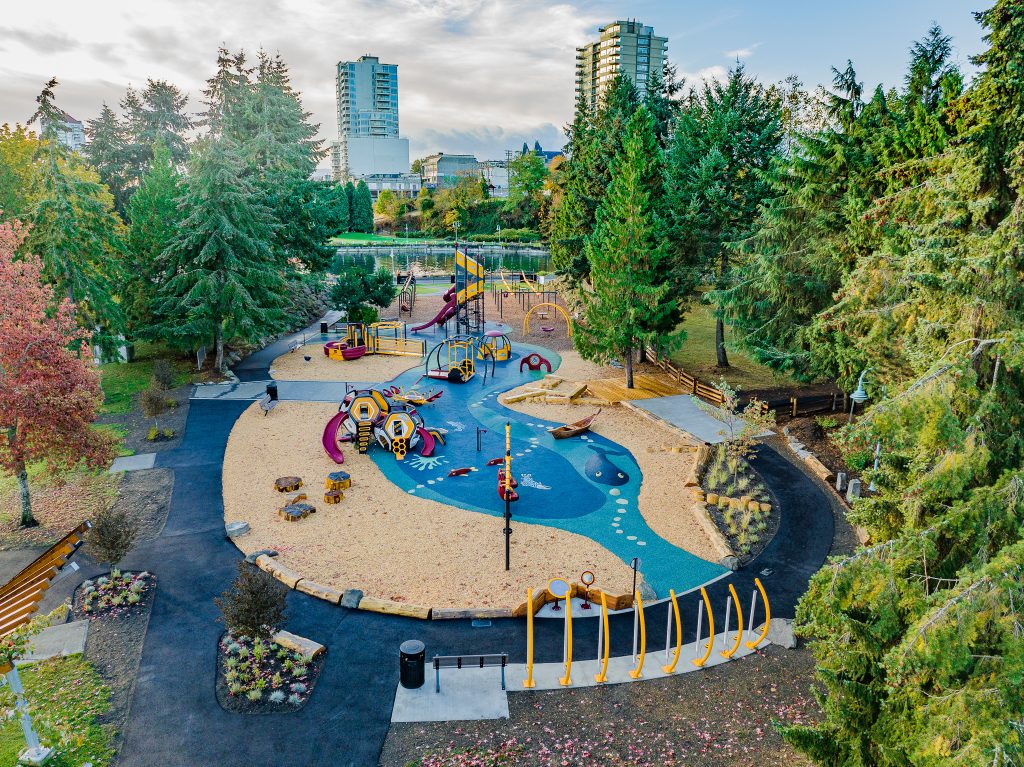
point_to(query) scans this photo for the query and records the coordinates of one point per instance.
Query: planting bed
(260, 677)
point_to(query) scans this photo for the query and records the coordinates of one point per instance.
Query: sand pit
(664, 503)
(382, 540)
(292, 366)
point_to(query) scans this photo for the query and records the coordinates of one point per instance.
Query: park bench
(468, 661)
(267, 404)
(296, 344)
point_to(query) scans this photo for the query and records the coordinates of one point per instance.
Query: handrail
(639, 670)
(603, 676)
(668, 669)
(767, 615)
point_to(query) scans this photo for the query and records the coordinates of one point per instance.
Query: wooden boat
(574, 429)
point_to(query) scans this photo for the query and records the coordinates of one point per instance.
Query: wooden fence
(686, 381)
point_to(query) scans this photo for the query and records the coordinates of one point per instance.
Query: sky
(475, 76)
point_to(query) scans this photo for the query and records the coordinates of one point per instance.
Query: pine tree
(107, 152)
(155, 221)
(157, 114)
(224, 283)
(631, 297)
(362, 209)
(350, 195)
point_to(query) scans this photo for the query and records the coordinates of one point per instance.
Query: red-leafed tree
(49, 392)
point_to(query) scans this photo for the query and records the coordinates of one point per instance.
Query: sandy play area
(292, 366)
(668, 508)
(382, 540)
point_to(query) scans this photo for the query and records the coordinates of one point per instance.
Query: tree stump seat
(287, 484)
(333, 496)
(296, 511)
(338, 480)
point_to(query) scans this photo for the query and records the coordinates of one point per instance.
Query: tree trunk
(628, 361)
(723, 359)
(219, 362)
(643, 353)
(27, 520)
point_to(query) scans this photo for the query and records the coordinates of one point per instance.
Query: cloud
(716, 72)
(742, 53)
(45, 42)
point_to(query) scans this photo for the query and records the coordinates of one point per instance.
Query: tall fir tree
(362, 209)
(631, 301)
(223, 281)
(107, 152)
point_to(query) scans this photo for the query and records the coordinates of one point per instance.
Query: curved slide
(446, 313)
(427, 439)
(330, 438)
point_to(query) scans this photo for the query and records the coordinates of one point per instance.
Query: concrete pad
(466, 694)
(136, 462)
(546, 676)
(682, 412)
(63, 639)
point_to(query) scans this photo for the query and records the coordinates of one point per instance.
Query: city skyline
(478, 77)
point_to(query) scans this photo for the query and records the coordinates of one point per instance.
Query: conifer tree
(362, 209)
(631, 300)
(223, 282)
(107, 152)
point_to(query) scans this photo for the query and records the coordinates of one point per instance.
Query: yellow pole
(767, 615)
(603, 676)
(679, 635)
(567, 680)
(638, 671)
(739, 624)
(528, 682)
(711, 627)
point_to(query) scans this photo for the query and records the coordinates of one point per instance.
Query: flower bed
(261, 677)
(116, 593)
(745, 510)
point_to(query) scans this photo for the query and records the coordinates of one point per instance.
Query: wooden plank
(387, 607)
(526, 395)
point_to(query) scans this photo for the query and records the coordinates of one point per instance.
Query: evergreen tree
(725, 140)
(158, 115)
(527, 176)
(631, 298)
(107, 151)
(224, 283)
(350, 195)
(75, 230)
(155, 221)
(362, 209)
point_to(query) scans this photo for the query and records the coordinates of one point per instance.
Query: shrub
(163, 375)
(859, 460)
(299, 687)
(254, 695)
(827, 421)
(112, 536)
(168, 433)
(295, 700)
(153, 404)
(299, 670)
(277, 696)
(255, 603)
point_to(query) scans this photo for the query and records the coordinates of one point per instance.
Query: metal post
(508, 528)
(600, 637)
(35, 750)
(668, 627)
(853, 404)
(753, 604)
(728, 614)
(700, 625)
(878, 450)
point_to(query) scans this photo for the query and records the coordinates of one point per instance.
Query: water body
(439, 260)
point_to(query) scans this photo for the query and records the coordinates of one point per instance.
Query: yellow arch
(526, 319)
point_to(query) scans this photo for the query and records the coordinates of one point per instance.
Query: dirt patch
(59, 506)
(137, 426)
(146, 494)
(722, 716)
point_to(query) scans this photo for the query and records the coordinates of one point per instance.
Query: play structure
(495, 345)
(464, 299)
(366, 416)
(378, 338)
(561, 590)
(542, 311)
(406, 294)
(534, 361)
(455, 359)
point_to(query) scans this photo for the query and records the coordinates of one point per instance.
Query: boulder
(780, 632)
(286, 575)
(236, 529)
(251, 558)
(293, 642)
(314, 589)
(351, 598)
(713, 499)
(731, 562)
(853, 491)
(388, 607)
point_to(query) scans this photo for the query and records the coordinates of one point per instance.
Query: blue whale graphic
(599, 469)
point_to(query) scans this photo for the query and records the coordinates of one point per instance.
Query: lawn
(66, 695)
(361, 238)
(121, 381)
(697, 356)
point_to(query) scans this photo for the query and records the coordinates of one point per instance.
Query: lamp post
(859, 396)
(500, 259)
(456, 225)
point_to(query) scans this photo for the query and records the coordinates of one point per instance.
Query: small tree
(112, 536)
(254, 606)
(357, 291)
(153, 403)
(741, 427)
(49, 391)
(163, 375)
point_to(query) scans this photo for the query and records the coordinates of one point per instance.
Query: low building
(402, 184)
(70, 132)
(441, 170)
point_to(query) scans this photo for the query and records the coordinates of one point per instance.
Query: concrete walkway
(682, 412)
(175, 718)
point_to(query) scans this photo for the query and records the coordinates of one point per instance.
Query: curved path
(175, 718)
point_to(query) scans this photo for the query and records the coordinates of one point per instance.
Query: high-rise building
(626, 47)
(368, 138)
(70, 132)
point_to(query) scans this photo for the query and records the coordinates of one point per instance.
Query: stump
(296, 511)
(333, 496)
(294, 498)
(338, 480)
(287, 484)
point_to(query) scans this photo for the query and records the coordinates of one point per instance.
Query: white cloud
(742, 53)
(489, 72)
(716, 72)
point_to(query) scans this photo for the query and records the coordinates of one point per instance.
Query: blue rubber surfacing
(587, 485)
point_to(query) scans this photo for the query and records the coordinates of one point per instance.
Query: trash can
(323, 328)
(272, 391)
(412, 659)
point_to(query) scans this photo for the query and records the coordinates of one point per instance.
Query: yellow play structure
(556, 307)
(378, 338)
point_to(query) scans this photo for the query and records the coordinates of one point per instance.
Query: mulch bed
(721, 716)
(283, 689)
(759, 491)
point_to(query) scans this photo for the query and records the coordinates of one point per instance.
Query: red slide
(330, 439)
(446, 313)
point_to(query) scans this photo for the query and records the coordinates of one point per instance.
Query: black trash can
(272, 391)
(323, 328)
(411, 664)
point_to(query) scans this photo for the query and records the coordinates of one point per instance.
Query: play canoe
(574, 429)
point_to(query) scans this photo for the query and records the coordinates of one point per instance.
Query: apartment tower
(368, 140)
(628, 47)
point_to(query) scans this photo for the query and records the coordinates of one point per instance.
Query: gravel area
(292, 366)
(147, 495)
(722, 716)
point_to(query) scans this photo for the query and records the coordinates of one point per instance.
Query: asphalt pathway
(175, 718)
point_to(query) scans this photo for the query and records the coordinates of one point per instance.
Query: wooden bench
(267, 404)
(468, 661)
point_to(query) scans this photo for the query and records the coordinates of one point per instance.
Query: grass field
(360, 238)
(697, 356)
(121, 381)
(66, 695)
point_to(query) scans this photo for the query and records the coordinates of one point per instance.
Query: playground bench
(267, 404)
(468, 661)
(294, 345)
